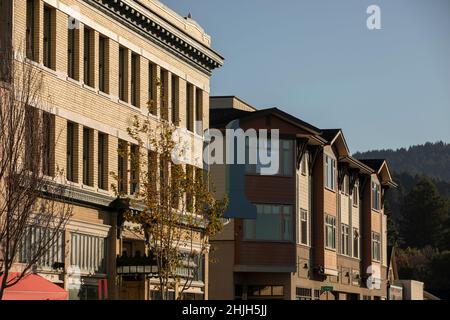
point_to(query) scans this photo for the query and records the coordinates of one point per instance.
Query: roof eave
(359, 165)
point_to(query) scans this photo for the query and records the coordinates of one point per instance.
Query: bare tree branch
(31, 199)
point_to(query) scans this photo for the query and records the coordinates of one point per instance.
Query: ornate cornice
(174, 40)
(75, 194)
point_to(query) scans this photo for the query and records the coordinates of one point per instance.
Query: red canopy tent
(33, 287)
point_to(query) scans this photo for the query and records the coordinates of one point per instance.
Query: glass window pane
(268, 227)
(249, 229)
(277, 290)
(259, 208)
(266, 291)
(275, 209)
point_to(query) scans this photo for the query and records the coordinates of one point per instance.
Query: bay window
(284, 155)
(273, 223)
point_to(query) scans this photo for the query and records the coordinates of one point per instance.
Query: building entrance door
(132, 290)
(327, 296)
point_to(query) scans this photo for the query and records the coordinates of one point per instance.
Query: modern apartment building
(320, 228)
(102, 62)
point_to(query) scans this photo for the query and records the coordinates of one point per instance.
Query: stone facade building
(102, 62)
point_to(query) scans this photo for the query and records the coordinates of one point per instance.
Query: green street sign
(326, 288)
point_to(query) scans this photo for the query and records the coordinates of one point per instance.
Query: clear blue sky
(316, 59)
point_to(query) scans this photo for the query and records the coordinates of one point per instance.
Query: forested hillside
(419, 212)
(431, 159)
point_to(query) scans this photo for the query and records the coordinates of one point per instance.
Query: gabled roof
(355, 163)
(381, 167)
(375, 164)
(336, 136)
(330, 134)
(219, 118)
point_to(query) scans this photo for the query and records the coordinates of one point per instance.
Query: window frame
(48, 33)
(303, 293)
(330, 226)
(71, 48)
(152, 168)
(261, 289)
(30, 29)
(48, 146)
(134, 80)
(356, 243)
(355, 195)
(87, 157)
(190, 174)
(376, 246)
(174, 99)
(345, 239)
(198, 112)
(163, 94)
(87, 57)
(330, 167)
(102, 157)
(304, 223)
(189, 107)
(70, 151)
(376, 196)
(123, 79)
(103, 65)
(151, 89)
(255, 169)
(122, 166)
(134, 168)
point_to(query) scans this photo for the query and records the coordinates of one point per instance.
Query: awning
(33, 287)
